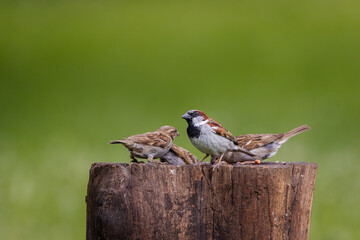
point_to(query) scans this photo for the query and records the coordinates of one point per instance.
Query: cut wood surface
(157, 201)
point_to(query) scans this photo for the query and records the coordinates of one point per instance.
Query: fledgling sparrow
(150, 145)
(209, 137)
(264, 146)
(179, 156)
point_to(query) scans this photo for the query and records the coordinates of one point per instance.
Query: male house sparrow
(209, 137)
(150, 145)
(179, 156)
(262, 145)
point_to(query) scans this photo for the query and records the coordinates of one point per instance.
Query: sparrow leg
(213, 160)
(150, 159)
(199, 162)
(204, 158)
(134, 160)
(218, 162)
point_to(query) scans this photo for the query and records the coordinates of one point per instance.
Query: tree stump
(156, 201)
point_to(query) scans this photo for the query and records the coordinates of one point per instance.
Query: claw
(215, 166)
(133, 159)
(218, 162)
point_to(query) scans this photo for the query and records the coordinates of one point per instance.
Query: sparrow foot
(218, 164)
(137, 161)
(150, 160)
(134, 160)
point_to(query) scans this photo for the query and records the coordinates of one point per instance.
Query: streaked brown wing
(155, 139)
(220, 130)
(252, 141)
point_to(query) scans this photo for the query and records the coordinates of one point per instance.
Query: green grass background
(76, 74)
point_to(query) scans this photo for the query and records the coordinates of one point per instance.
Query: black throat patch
(192, 131)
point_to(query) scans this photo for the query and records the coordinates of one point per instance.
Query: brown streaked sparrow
(209, 137)
(150, 145)
(179, 156)
(264, 146)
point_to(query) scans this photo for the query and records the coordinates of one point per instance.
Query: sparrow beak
(186, 116)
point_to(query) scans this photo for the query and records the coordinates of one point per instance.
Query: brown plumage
(262, 145)
(179, 156)
(220, 130)
(149, 145)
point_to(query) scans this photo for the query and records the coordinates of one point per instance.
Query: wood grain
(155, 201)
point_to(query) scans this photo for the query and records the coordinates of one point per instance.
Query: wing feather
(155, 139)
(252, 141)
(220, 130)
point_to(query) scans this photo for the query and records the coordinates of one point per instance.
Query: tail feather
(116, 142)
(296, 131)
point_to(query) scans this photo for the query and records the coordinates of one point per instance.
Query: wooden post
(155, 201)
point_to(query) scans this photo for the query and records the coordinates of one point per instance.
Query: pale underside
(210, 143)
(144, 151)
(264, 152)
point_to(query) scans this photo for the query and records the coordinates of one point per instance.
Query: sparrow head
(170, 131)
(194, 116)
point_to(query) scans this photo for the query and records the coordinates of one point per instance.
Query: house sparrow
(150, 145)
(179, 156)
(263, 145)
(209, 137)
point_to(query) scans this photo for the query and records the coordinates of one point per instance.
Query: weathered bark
(153, 201)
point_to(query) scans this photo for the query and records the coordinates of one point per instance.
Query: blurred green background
(76, 74)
